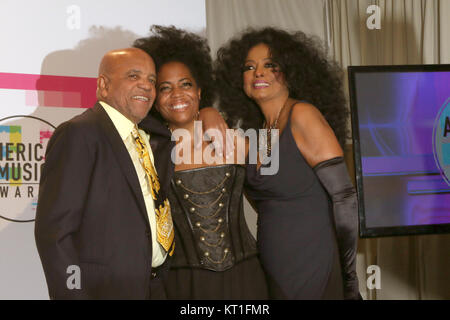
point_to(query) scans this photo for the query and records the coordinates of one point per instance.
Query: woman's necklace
(269, 130)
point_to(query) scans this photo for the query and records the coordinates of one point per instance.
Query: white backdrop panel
(47, 46)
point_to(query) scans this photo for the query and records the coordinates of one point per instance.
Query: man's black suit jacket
(91, 212)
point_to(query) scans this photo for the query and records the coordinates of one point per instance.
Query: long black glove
(334, 177)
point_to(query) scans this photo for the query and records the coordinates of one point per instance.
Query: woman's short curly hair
(309, 77)
(169, 44)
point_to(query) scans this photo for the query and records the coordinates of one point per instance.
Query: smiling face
(178, 95)
(261, 77)
(127, 82)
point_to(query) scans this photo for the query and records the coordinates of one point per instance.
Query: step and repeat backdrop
(48, 67)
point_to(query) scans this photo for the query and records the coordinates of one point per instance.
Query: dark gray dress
(296, 238)
(215, 254)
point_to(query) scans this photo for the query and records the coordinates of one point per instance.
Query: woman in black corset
(215, 254)
(307, 213)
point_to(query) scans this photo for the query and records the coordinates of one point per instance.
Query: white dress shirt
(124, 126)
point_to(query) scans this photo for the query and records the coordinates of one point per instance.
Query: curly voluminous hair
(169, 44)
(309, 77)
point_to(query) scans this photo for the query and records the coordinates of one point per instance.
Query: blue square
(446, 153)
(4, 175)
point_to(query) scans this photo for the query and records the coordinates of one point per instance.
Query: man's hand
(212, 120)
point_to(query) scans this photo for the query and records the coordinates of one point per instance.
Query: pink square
(31, 98)
(72, 99)
(53, 99)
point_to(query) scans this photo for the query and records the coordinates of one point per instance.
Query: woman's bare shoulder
(313, 135)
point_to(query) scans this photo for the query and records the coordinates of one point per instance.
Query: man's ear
(103, 86)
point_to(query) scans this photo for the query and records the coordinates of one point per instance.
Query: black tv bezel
(367, 232)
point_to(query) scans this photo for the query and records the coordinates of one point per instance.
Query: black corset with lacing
(210, 227)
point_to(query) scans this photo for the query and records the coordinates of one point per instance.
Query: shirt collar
(122, 123)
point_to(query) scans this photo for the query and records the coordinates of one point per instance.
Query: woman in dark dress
(215, 255)
(307, 214)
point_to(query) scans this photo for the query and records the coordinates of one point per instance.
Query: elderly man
(103, 225)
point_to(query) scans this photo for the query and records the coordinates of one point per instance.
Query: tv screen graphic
(401, 138)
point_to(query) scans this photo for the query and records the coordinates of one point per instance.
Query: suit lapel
(122, 156)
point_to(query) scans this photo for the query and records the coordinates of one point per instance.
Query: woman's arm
(313, 135)
(212, 119)
(320, 147)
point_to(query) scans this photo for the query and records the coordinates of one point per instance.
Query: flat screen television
(401, 138)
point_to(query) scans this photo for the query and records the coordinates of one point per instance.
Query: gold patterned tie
(164, 224)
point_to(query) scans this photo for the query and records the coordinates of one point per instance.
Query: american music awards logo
(441, 141)
(23, 141)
